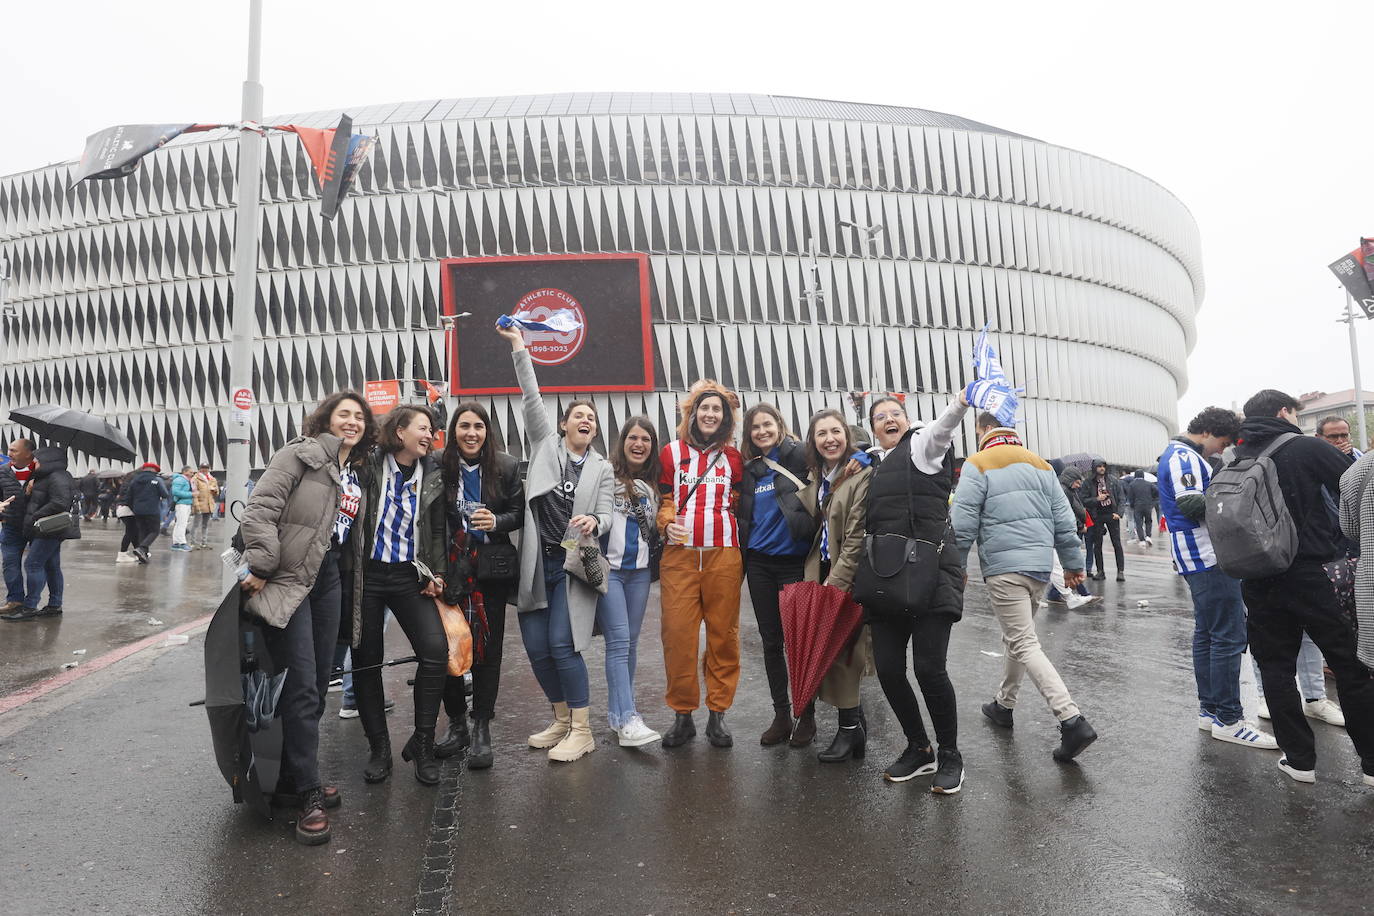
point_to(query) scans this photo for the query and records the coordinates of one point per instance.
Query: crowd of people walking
(355, 522)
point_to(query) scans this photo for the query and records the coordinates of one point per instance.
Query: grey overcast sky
(1254, 115)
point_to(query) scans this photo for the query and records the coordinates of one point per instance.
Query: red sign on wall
(382, 396)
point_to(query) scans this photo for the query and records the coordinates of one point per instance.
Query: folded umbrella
(818, 623)
(75, 429)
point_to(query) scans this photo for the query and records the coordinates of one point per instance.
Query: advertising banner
(382, 396)
(115, 151)
(1356, 273)
(603, 300)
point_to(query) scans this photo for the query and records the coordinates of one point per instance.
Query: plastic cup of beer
(681, 522)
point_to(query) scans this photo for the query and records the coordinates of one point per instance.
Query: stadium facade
(1088, 273)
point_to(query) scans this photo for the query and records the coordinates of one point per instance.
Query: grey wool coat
(594, 496)
(1357, 523)
(288, 523)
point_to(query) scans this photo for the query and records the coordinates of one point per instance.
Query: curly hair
(1217, 421)
(318, 422)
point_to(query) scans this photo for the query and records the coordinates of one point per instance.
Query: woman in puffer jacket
(297, 521)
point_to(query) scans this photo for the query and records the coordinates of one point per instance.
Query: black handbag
(497, 562)
(897, 574)
(54, 525)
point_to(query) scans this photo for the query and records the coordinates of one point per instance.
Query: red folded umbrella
(818, 623)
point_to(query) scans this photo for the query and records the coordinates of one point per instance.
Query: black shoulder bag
(897, 573)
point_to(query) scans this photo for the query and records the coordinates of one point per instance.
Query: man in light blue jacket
(1010, 501)
(182, 497)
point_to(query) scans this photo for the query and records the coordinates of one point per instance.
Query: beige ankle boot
(555, 732)
(579, 741)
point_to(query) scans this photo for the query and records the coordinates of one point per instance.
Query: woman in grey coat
(568, 487)
(296, 521)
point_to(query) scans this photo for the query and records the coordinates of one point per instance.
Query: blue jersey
(1183, 472)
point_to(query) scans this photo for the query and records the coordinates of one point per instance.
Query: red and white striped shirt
(710, 522)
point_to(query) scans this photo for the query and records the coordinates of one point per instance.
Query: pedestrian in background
(144, 494)
(701, 569)
(183, 496)
(90, 491)
(1142, 495)
(50, 491)
(296, 527)
(775, 530)
(1104, 498)
(485, 501)
(1011, 504)
(840, 503)
(204, 495)
(14, 480)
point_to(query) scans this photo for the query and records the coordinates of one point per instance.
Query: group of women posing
(350, 521)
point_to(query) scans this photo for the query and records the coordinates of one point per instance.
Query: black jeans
(305, 649)
(766, 575)
(397, 586)
(147, 529)
(130, 524)
(929, 638)
(1144, 523)
(486, 674)
(1104, 525)
(1281, 608)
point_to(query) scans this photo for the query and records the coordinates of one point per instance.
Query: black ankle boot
(780, 730)
(420, 750)
(379, 760)
(850, 741)
(716, 732)
(479, 754)
(455, 741)
(683, 729)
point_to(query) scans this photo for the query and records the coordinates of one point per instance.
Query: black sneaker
(141, 554)
(998, 713)
(949, 778)
(51, 610)
(1075, 735)
(915, 761)
(24, 613)
(1120, 576)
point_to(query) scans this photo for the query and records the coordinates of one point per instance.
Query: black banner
(115, 151)
(607, 294)
(1352, 271)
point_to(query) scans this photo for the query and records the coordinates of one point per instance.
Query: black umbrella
(239, 672)
(74, 429)
(111, 473)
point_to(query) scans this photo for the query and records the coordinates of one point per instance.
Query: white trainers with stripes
(1245, 733)
(1205, 721)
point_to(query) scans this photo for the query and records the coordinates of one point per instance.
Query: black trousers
(397, 586)
(929, 638)
(766, 575)
(130, 524)
(148, 527)
(305, 649)
(1104, 525)
(1281, 609)
(1144, 523)
(486, 674)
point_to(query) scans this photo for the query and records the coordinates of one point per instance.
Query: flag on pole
(336, 155)
(432, 393)
(991, 391)
(115, 151)
(1356, 273)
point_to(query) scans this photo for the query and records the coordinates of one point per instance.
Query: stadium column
(241, 329)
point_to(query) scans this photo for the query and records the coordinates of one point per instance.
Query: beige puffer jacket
(288, 524)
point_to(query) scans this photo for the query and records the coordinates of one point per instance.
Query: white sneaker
(123, 557)
(1244, 733)
(1263, 709)
(1326, 710)
(1149, 543)
(1205, 721)
(1308, 776)
(1369, 780)
(635, 733)
(348, 712)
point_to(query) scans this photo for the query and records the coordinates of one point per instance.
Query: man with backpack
(1280, 547)
(1218, 610)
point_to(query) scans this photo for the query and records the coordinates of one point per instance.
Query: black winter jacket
(13, 515)
(52, 492)
(1088, 493)
(144, 493)
(1306, 466)
(800, 523)
(1141, 493)
(508, 506)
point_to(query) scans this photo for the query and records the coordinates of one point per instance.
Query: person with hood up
(1142, 496)
(1071, 481)
(50, 491)
(1105, 500)
(701, 571)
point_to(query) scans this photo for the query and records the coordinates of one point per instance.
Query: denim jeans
(12, 543)
(547, 634)
(1311, 678)
(621, 615)
(43, 568)
(1219, 636)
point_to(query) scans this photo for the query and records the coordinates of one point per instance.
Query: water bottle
(233, 560)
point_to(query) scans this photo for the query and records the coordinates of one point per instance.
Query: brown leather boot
(312, 827)
(805, 732)
(780, 730)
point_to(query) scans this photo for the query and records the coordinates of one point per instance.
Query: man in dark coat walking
(144, 496)
(1142, 494)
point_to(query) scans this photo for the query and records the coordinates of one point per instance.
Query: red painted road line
(43, 688)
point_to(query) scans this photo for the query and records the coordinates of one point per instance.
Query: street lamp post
(242, 319)
(870, 236)
(813, 295)
(1349, 321)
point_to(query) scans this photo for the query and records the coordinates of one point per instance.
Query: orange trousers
(701, 585)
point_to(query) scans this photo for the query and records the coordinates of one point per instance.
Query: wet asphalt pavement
(112, 803)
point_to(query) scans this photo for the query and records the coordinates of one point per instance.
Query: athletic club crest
(551, 348)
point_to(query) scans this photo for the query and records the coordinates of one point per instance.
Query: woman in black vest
(775, 531)
(485, 501)
(909, 495)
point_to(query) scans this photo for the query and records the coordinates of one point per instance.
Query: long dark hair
(452, 458)
(650, 472)
(397, 420)
(813, 457)
(318, 422)
(747, 445)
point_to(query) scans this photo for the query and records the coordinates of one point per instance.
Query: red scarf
(1003, 437)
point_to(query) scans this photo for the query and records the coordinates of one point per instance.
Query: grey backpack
(1252, 532)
